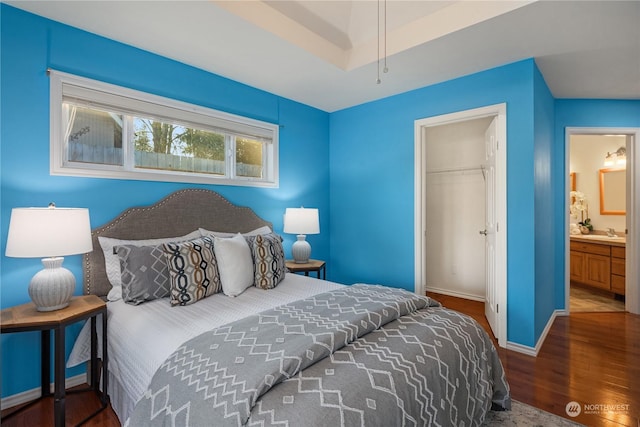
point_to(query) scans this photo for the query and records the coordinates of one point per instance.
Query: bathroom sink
(601, 237)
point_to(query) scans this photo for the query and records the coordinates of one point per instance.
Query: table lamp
(301, 221)
(49, 233)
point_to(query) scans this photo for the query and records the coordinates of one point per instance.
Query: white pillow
(112, 262)
(262, 230)
(235, 264)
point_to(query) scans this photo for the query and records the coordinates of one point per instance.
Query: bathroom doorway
(600, 209)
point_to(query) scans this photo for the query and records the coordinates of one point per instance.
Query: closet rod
(470, 169)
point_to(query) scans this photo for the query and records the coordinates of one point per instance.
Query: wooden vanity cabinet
(617, 269)
(598, 265)
(591, 264)
(576, 266)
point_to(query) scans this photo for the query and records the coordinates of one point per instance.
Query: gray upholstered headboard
(177, 214)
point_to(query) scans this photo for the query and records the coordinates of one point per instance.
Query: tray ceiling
(325, 53)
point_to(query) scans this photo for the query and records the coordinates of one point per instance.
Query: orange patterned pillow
(268, 260)
(193, 270)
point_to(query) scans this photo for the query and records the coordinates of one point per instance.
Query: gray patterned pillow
(144, 273)
(193, 271)
(268, 260)
(112, 263)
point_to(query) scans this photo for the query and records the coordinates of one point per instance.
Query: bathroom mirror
(572, 181)
(613, 191)
(572, 186)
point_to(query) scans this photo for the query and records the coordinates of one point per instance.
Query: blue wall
(372, 183)
(30, 45)
(544, 231)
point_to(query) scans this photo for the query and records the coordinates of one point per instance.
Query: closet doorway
(455, 187)
(461, 209)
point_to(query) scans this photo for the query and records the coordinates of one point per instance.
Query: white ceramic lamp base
(52, 288)
(301, 250)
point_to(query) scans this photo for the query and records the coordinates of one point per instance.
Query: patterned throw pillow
(193, 271)
(112, 263)
(144, 276)
(268, 260)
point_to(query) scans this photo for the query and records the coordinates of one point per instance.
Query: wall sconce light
(49, 233)
(617, 158)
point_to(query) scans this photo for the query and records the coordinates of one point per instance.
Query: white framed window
(107, 131)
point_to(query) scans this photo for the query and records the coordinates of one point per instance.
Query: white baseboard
(29, 395)
(524, 349)
(533, 351)
(454, 293)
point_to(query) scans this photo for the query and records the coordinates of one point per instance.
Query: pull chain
(385, 69)
(378, 81)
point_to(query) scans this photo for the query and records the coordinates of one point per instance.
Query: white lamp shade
(48, 232)
(301, 221)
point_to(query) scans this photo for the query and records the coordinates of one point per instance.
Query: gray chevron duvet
(363, 355)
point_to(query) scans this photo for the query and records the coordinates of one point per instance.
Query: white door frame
(632, 263)
(420, 202)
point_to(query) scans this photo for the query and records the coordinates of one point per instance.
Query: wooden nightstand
(313, 265)
(25, 318)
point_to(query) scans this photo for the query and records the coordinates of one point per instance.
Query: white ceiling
(324, 53)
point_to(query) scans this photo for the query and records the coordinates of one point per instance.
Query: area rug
(523, 415)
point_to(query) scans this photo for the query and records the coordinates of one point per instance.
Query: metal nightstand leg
(45, 357)
(97, 371)
(59, 381)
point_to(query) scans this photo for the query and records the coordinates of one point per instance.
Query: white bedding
(142, 337)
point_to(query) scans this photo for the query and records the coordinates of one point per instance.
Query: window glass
(249, 158)
(92, 135)
(167, 146)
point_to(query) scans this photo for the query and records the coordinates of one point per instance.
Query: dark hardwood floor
(78, 407)
(589, 358)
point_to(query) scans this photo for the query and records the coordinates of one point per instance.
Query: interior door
(490, 304)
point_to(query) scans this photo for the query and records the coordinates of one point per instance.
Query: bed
(286, 350)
